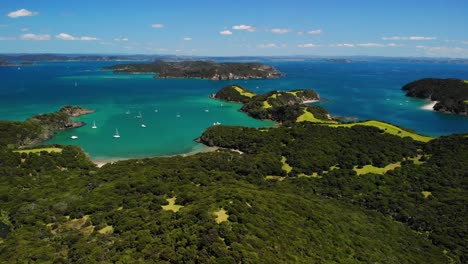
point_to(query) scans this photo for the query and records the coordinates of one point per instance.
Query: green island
(200, 69)
(312, 190)
(451, 94)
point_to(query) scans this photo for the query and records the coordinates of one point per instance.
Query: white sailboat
(74, 137)
(116, 135)
(128, 112)
(178, 115)
(143, 125)
(94, 124)
(207, 110)
(139, 115)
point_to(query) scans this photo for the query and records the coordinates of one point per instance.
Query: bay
(175, 111)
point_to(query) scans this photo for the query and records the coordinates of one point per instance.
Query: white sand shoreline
(310, 101)
(429, 106)
(101, 162)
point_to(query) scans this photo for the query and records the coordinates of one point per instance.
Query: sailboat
(139, 115)
(143, 125)
(116, 135)
(74, 137)
(207, 110)
(94, 124)
(128, 112)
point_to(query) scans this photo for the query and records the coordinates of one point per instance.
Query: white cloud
(316, 31)
(225, 32)
(121, 39)
(280, 30)
(409, 38)
(244, 27)
(86, 38)
(21, 13)
(347, 45)
(395, 45)
(65, 36)
(24, 29)
(157, 26)
(35, 37)
(307, 45)
(7, 38)
(370, 45)
(267, 46)
(187, 39)
(300, 33)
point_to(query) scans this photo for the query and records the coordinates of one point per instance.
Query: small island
(279, 106)
(200, 69)
(450, 95)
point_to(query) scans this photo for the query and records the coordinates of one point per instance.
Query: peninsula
(40, 127)
(279, 106)
(451, 95)
(200, 69)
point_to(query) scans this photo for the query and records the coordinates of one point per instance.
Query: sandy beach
(429, 106)
(310, 101)
(101, 162)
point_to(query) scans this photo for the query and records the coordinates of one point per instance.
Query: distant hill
(200, 69)
(451, 94)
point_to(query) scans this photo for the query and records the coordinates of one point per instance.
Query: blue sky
(436, 28)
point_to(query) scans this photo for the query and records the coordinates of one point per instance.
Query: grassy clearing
(293, 93)
(286, 167)
(426, 194)
(466, 101)
(416, 160)
(466, 81)
(171, 206)
(376, 170)
(314, 175)
(308, 117)
(38, 150)
(274, 178)
(77, 224)
(243, 92)
(221, 216)
(266, 104)
(106, 230)
(274, 96)
(388, 128)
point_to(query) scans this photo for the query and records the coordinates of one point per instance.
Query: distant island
(451, 95)
(39, 128)
(200, 69)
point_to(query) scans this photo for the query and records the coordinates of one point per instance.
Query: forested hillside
(306, 192)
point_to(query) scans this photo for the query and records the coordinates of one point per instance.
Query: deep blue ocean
(175, 111)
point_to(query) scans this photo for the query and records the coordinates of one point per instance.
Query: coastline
(429, 106)
(103, 161)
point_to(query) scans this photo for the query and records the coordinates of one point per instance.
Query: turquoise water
(175, 111)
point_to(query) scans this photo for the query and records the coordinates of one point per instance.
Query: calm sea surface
(175, 111)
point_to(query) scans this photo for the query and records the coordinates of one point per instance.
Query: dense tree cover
(451, 94)
(332, 152)
(200, 69)
(314, 148)
(15, 134)
(268, 221)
